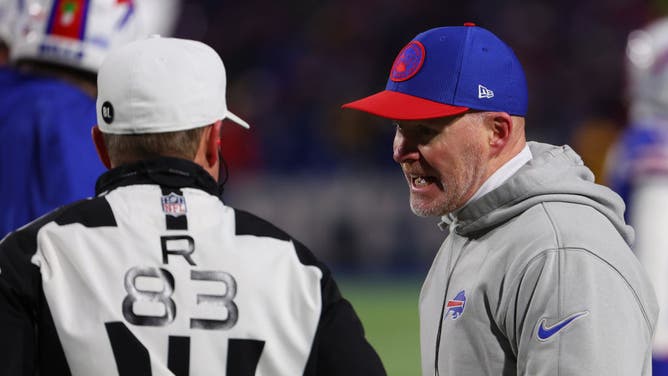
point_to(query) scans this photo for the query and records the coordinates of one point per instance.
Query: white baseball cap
(158, 85)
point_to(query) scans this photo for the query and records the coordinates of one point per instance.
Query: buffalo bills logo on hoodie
(456, 305)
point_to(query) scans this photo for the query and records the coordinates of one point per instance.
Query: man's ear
(212, 141)
(100, 146)
(501, 124)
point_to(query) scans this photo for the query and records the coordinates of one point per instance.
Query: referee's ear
(212, 144)
(100, 146)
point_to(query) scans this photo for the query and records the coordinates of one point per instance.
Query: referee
(156, 275)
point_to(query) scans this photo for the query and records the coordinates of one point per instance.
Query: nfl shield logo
(174, 205)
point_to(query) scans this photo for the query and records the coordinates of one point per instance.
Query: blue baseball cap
(447, 71)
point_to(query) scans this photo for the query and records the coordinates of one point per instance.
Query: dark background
(326, 174)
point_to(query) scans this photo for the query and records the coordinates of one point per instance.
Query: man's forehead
(434, 122)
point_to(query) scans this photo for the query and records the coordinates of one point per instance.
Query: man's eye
(416, 130)
(427, 131)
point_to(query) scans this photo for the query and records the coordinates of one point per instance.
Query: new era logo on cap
(484, 92)
(440, 73)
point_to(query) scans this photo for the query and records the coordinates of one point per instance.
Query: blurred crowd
(292, 64)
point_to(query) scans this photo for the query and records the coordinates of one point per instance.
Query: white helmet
(647, 71)
(80, 33)
(159, 16)
(8, 11)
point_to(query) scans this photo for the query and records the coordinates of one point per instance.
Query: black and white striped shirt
(156, 276)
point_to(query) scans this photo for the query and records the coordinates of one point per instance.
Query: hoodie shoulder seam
(553, 225)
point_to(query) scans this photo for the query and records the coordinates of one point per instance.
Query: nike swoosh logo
(545, 332)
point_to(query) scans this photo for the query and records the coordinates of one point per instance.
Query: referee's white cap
(158, 85)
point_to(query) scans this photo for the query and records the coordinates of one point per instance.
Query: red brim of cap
(399, 106)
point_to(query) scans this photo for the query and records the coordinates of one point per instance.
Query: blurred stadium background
(327, 175)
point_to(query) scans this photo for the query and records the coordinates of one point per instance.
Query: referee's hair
(129, 148)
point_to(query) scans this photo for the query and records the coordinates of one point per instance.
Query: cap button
(469, 24)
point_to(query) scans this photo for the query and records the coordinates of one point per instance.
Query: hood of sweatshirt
(554, 174)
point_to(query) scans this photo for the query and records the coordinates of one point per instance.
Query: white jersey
(156, 276)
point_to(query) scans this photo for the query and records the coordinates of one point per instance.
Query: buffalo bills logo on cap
(456, 305)
(408, 62)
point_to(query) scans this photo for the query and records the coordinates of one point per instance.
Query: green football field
(388, 310)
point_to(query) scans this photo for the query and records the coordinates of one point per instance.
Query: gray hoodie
(537, 278)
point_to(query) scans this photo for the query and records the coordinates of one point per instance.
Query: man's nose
(403, 149)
